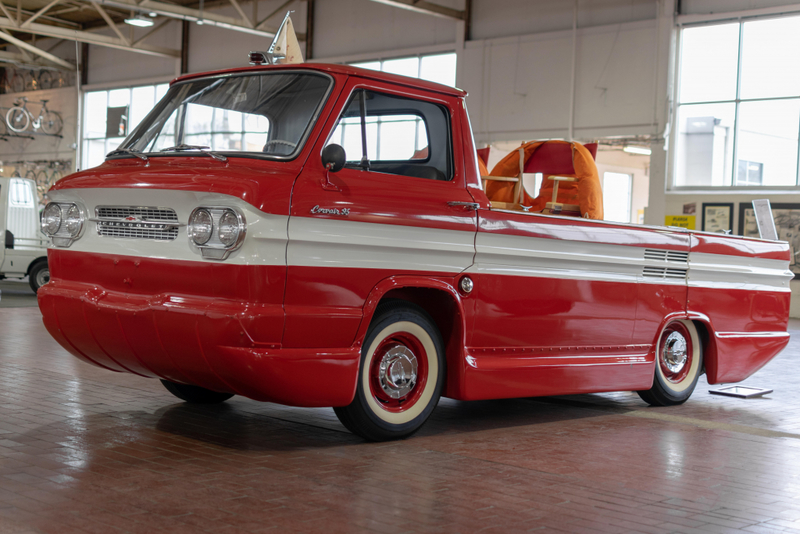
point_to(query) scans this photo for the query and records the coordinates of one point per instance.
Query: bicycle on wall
(19, 118)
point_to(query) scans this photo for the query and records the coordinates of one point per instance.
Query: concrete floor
(17, 294)
(87, 450)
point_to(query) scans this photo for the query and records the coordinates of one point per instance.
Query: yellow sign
(681, 221)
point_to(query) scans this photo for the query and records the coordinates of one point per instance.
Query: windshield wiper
(203, 149)
(127, 151)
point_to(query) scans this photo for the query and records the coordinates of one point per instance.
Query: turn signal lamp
(258, 58)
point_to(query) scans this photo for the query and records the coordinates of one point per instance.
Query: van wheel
(39, 276)
(679, 363)
(195, 394)
(400, 376)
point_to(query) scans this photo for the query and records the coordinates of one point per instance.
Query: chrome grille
(136, 222)
(146, 214)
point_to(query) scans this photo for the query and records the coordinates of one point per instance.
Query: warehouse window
(109, 116)
(738, 113)
(439, 68)
(617, 196)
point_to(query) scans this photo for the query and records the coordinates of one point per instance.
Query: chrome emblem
(316, 210)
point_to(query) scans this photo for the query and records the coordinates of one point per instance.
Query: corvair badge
(330, 211)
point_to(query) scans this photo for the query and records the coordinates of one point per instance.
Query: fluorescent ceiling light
(140, 21)
(637, 150)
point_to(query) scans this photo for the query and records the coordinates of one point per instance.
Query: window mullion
(735, 162)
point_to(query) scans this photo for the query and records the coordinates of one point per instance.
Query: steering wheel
(279, 142)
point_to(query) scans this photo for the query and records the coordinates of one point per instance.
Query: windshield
(264, 114)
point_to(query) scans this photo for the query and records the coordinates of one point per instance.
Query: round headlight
(201, 225)
(51, 219)
(228, 228)
(74, 221)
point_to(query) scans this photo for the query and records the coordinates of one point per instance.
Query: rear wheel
(679, 363)
(195, 394)
(39, 276)
(400, 376)
(52, 123)
(45, 79)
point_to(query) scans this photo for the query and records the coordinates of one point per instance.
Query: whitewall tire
(401, 374)
(678, 365)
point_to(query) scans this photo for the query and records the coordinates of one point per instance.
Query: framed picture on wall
(718, 217)
(787, 222)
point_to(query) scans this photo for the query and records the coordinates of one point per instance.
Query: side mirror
(333, 157)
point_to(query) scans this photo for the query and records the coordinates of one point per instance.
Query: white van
(25, 250)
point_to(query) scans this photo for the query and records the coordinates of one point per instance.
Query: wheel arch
(705, 331)
(34, 262)
(442, 302)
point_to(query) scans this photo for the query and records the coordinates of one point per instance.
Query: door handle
(466, 205)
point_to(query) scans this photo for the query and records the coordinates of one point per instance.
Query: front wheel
(679, 363)
(17, 120)
(400, 376)
(39, 276)
(195, 394)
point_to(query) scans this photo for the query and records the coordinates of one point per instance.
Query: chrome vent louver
(664, 273)
(135, 222)
(666, 255)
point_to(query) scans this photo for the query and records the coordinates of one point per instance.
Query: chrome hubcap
(675, 353)
(397, 373)
(43, 277)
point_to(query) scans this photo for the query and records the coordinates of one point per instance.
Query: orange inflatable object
(586, 192)
(482, 167)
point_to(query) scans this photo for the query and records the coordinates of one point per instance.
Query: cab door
(398, 208)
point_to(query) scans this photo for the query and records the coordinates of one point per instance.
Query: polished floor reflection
(86, 450)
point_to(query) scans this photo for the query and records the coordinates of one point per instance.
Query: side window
(402, 136)
(20, 194)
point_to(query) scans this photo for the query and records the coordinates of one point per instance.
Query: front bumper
(202, 341)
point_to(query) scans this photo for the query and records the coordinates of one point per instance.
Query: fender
(745, 352)
(685, 315)
(455, 342)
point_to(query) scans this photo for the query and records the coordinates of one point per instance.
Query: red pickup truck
(318, 235)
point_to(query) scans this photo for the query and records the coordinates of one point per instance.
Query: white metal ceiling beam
(39, 13)
(52, 17)
(245, 18)
(22, 45)
(260, 25)
(5, 11)
(11, 56)
(87, 37)
(110, 22)
(156, 28)
(185, 13)
(427, 8)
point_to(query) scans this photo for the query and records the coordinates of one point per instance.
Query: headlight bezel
(215, 248)
(70, 227)
(70, 219)
(52, 210)
(193, 226)
(238, 223)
